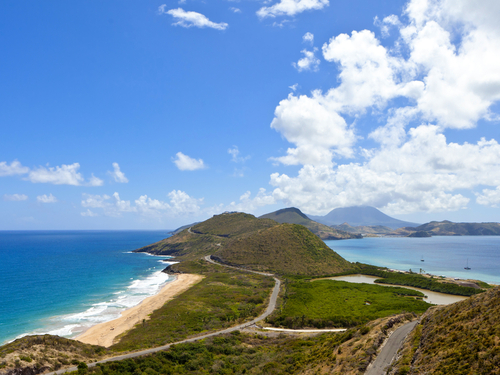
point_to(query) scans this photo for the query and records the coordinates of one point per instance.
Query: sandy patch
(104, 333)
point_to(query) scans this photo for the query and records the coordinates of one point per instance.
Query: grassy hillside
(288, 249)
(462, 338)
(207, 237)
(258, 244)
(46, 352)
(231, 225)
(295, 216)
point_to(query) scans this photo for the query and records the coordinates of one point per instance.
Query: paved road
(384, 359)
(269, 310)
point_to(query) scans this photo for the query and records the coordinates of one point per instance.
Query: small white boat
(467, 266)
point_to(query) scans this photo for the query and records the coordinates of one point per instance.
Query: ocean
(442, 255)
(62, 282)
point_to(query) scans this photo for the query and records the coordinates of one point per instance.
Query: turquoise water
(442, 255)
(62, 282)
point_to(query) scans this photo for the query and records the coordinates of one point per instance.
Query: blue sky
(150, 115)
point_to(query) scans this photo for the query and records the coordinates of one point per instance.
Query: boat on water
(467, 266)
(422, 260)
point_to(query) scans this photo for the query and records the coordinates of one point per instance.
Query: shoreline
(105, 333)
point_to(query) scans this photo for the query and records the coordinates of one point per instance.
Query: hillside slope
(207, 237)
(258, 244)
(462, 338)
(360, 216)
(286, 249)
(293, 215)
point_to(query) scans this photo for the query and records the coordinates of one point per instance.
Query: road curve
(394, 342)
(270, 308)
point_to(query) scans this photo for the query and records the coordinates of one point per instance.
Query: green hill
(207, 237)
(286, 249)
(293, 215)
(461, 338)
(259, 244)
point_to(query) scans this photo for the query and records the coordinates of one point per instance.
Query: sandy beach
(104, 333)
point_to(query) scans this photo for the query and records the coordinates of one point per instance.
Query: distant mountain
(293, 215)
(364, 229)
(360, 216)
(448, 228)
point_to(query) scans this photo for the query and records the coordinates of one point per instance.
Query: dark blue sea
(62, 282)
(443, 255)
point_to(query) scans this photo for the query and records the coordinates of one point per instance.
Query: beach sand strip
(104, 333)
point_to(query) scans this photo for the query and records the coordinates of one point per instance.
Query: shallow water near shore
(63, 282)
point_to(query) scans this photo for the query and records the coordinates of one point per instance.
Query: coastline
(105, 333)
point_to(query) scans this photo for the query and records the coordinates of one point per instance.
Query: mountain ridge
(292, 215)
(259, 244)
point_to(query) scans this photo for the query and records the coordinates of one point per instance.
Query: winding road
(270, 308)
(388, 352)
(378, 367)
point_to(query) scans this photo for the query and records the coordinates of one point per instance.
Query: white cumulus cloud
(95, 201)
(46, 198)
(63, 175)
(179, 204)
(191, 19)
(443, 72)
(308, 38)
(308, 62)
(249, 204)
(291, 7)
(186, 163)
(14, 168)
(117, 174)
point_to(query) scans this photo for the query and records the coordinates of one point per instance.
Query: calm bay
(442, 255)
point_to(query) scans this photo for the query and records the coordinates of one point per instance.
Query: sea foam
(72, 325)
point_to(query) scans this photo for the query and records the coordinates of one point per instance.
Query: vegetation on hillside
(47, 352)
(293, 215)
(288, 249)
(462, 338)
(264, 352)
(339, 304)
(209, 236)
(225, 297)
